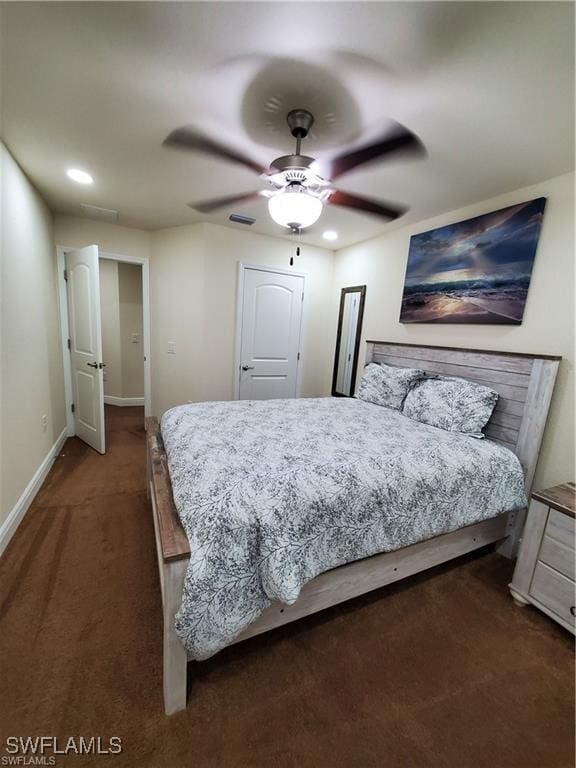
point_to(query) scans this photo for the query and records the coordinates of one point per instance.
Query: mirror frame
(361, 289)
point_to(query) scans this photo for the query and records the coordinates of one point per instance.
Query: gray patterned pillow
(387, 385)
(456, 405)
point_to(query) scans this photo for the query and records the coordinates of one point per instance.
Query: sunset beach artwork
(475, 271)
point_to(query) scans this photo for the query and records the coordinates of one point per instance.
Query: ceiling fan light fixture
(295, 208)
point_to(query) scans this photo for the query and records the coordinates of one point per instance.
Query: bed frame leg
(175, 656)
(508, 547)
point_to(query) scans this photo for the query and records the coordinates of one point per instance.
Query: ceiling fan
(299, 185)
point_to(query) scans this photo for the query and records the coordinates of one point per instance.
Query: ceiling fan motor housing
(291, 163)
(297, 168)
(299, 121)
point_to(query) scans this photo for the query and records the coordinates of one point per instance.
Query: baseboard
(123, 401)
(9, 526)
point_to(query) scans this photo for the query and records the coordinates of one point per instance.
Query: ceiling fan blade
(398, 141)
(207, 206)
(189, 138)
(385, 211)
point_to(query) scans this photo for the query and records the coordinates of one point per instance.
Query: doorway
(122, 330)
(105, 328)
(268, 332)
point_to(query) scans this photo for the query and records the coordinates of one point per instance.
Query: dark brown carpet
(441, 670)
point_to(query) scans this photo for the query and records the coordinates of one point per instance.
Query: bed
(290, 507)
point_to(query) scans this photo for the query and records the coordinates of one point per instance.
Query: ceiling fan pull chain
(297, 235)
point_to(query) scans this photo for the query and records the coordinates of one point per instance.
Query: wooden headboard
(524, 384)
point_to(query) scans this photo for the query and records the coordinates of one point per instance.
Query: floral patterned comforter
(272, 493)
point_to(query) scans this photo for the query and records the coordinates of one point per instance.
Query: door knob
(247, 367)
(92, 365)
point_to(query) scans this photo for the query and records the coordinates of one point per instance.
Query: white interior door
(270, 334)
(83, 288)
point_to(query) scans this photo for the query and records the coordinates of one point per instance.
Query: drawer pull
(573, 610)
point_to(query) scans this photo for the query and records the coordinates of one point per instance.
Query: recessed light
(330, 235)
(81, 177)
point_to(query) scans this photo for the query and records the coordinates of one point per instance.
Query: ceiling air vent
(101, 214)
(238, 218)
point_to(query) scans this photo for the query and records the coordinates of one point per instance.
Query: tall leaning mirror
(348, 340)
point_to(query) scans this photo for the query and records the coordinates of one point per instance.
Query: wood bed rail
(173, 540)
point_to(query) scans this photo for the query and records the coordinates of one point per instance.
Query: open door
(83, 288)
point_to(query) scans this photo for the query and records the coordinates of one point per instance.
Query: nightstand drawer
(558, 555)
(554, 591)
(561, 527)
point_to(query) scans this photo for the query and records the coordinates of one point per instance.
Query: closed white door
(270, 335)
(83, 288)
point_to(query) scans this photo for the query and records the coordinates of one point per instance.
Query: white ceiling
(488, 87)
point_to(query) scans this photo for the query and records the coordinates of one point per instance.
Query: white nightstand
(544, 573)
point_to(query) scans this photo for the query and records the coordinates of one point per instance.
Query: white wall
(176, 312)
(76, 232)
(193, 277)
(197, 310)
(30, 351)
(548, 325)
(224, 248)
